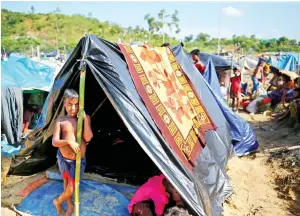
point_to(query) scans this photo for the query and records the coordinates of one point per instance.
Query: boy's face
(195, 58)
(236, 72)
(72, 106)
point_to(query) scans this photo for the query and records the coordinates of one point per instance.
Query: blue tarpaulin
(286, 62)
(95, 199)
(7, 149)
(21, 72)
(210, 76)
(243, 136)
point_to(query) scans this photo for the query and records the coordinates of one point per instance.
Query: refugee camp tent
(20, 74)
(249, 62)
(118, 111)
(284, 62)
(220, 63)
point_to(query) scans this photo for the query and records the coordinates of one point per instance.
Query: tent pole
(79, 139)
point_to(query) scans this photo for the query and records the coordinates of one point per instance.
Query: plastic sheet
(22, 72)
(7, 149)
(95, 199)
(286, 62)
(210, 76)
(12, 114)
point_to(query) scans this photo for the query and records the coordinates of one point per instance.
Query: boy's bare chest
(69, 126)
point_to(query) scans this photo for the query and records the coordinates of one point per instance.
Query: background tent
(19, 73)
(220, 63)
(118, 111)
(285, 62)
(24, 73)
(249, 62)
(210, 76)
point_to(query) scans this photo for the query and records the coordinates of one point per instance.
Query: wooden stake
(79, 139)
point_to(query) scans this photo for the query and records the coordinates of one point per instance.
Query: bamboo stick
(79, 139)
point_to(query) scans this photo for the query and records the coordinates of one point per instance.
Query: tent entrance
(125, 161)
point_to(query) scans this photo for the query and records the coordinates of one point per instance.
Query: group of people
(285, 92)
(155, 197)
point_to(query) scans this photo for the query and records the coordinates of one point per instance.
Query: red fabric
(32, 186)
(235, 85)
(266, 101)
(245, 103)
(200, 66)
(153, 189)
(71, 181)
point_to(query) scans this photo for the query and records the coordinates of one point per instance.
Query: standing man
(258, 75)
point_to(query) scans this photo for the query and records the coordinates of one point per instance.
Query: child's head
(297, 82)
(262, 63)
(196, 55)
(296, 93)
(236, 72)
(172, 191)
(71, 102)
(286, 78)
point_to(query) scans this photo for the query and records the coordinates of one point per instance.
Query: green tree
(188, 38)
(203, 37)
(153, 26)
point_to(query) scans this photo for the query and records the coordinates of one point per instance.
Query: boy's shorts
(67, 168)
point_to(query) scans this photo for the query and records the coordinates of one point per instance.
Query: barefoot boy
(64, 137)
(235, 90)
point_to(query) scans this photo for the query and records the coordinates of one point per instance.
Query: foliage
(22, 31)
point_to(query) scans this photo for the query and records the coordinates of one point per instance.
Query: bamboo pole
(79, 139)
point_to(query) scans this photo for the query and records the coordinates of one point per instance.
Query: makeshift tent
(20, 73)
(24, 73)
(285, 62)
(220, 63)
(118, 111)
(248, 62)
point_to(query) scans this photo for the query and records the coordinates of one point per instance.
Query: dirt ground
(266, 183)
(260, 180)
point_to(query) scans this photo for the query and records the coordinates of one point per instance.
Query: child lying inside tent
(153, 196)
(64, 138)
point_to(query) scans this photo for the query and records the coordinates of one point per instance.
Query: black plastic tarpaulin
(12, 114)
(204, 188)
